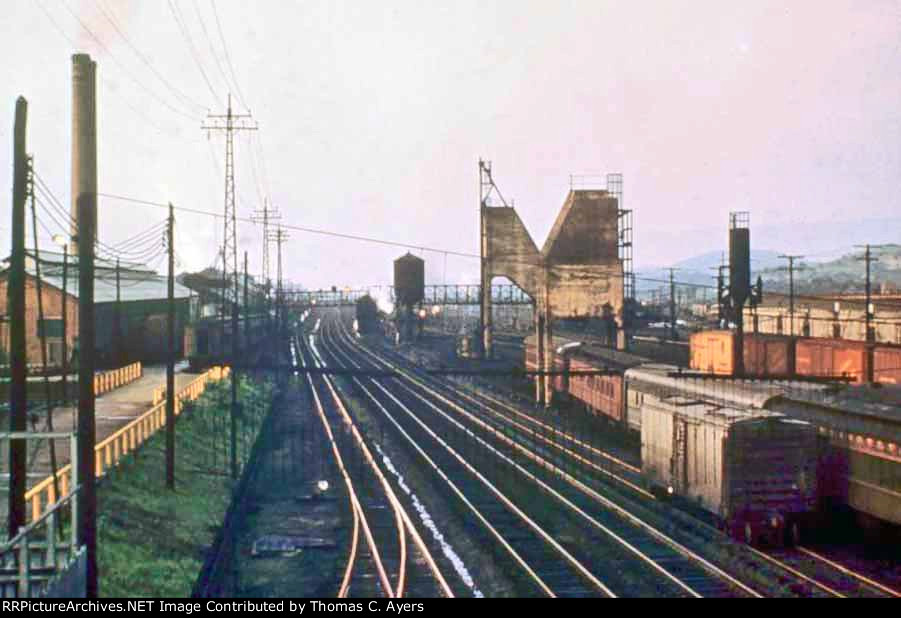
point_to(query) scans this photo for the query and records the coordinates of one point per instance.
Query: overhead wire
(183, 27)
(105, 82)
(125, 70)
(228, 61)
(210, 41)
(56, 211)
(107, 13)
(378, 240)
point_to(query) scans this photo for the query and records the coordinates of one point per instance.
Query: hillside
(845, 274)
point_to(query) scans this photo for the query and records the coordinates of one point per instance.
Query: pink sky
(374, 115)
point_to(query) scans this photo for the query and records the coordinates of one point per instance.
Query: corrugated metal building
(129, 329)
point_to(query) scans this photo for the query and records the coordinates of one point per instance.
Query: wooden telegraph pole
(170, 357)
(246, 309)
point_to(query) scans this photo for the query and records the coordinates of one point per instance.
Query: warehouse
(130, 311)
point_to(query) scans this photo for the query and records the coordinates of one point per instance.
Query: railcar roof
(883, 403)
(712, 413)
(732, 392)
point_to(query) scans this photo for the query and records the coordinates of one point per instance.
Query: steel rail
(358, 509)
(795, 572)
(406, 523)
(581, 443)
(568, 452)
(851, 573)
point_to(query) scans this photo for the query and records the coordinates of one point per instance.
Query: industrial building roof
(137, 282)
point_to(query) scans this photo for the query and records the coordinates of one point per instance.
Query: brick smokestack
(84, 140)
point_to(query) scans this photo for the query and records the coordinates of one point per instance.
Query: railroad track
(538, 562)
(649, 562)
(387, 555)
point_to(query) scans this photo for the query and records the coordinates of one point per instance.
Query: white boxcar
(755, 470)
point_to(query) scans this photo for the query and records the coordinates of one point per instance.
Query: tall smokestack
(84, 142)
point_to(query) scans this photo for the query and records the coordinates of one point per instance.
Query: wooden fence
(112, 449)
(108, 380)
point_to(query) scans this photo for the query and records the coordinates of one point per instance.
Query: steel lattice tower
(265, 216)
(229, 123)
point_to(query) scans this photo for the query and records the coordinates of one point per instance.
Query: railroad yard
(669, 368)
(519, 492)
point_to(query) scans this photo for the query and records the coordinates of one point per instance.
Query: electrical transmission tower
(229, 123)
(278, 236)
(265, 216)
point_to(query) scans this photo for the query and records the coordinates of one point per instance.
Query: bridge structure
(440, 295)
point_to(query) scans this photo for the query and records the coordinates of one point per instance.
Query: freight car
(208, 341)
(863, 426)
(600, 394)
(367, 312)
(714, 351)
(831, 357)
(860, 426)
(756, 471)
(777, 355)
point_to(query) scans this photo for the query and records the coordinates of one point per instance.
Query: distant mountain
(700, 270)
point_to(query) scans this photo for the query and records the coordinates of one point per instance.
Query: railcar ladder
(678, 459)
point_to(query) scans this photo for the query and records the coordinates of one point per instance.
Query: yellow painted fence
(110, 451)
(108, 380)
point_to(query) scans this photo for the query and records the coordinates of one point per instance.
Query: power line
(69, 223)
(182, 26)
(227, 57)
(298, 228)
(109, 17)
(125, 70)
(115, 91)
(210, 41)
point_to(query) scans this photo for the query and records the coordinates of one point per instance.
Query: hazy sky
(373, 116)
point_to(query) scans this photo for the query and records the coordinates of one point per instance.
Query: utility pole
(65, 324)
(278, 236)
(170, 355)
(84, 197)
(117, 325)
(720, 291)
(234, 387)
(18, 402)
(42, 323)
(868, 311)
(791, 291)
(246, 309)
(672, 303)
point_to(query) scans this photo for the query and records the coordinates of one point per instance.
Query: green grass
(152, 542)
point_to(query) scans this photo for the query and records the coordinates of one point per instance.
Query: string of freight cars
(403, 245)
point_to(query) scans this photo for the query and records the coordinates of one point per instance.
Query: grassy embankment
(152, 542)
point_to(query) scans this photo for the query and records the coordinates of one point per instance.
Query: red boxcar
(714, 352)
(831, 357)
(603, 394)
(887, 364)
